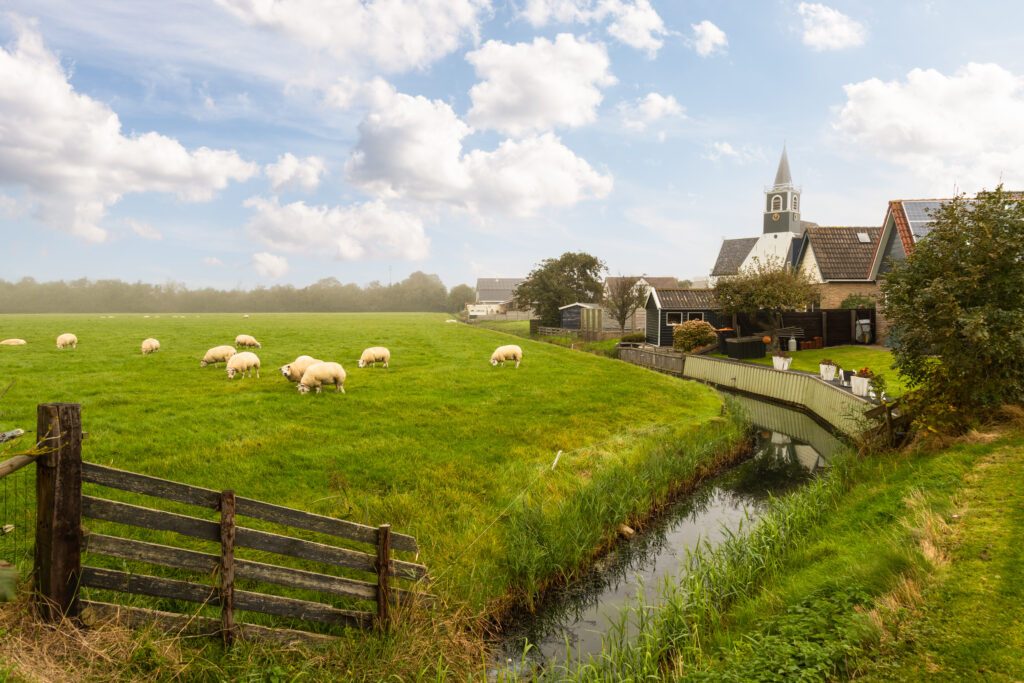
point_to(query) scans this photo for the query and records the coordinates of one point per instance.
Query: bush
(693, 334)
(859, 301)
(634, 337)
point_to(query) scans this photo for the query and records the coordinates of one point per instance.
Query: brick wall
(833, 293)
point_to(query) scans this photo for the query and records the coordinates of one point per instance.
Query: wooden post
(383, 576)
(58, 551)
(227, 567)
(736, 324)
(824, 328)
(853, 326)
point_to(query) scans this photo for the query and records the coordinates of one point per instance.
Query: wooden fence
(660, 360)
(835, 326)
(61, 540)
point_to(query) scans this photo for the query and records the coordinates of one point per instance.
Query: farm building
(637, 321)
(493, 295)
(581, 316)
(668, 307)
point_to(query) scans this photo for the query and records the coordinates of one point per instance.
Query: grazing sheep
(507, 352)
(318, 374)
(218, 354)
(247, 340)
(150, 346)
(13, 342)
(293, 371)
(245, 363)
(67, 339)
(374, 355)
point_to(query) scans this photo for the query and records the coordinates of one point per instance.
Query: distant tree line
(418, 292)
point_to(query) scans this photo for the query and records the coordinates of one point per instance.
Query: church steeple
(782, 201)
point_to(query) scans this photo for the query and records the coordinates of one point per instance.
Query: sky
(244, 143)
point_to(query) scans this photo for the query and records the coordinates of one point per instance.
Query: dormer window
(777, 203)
(796, 202)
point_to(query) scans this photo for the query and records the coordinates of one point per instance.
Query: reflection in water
(579, 615)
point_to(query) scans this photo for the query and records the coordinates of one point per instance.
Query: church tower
(782, 202)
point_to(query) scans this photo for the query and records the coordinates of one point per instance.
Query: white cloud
(536, 86)
(212, 261)
(632, 22)
(9, 206)
(964, 128)
(723, 150)
(650, 109)
(341, 232)
(144, 230)
(829, 29)
(68, 150)
(708, 39)
(270, 265)
(411, 147)
(290, 171)
(392, 35)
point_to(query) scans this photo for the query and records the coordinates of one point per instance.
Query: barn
(668, 307)
(581, 316)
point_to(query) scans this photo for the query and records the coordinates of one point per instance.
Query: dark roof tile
(688, 299)
(840, 253)
(732, 255)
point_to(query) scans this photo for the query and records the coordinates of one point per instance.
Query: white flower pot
(781, 363)
(860, 385)
(828, 372)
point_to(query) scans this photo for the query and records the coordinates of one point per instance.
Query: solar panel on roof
(920, 211)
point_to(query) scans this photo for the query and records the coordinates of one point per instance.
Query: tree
(622, 297)
(956, 306)
(572, 277)
(770, 286)
(459, 296)
(684, 284)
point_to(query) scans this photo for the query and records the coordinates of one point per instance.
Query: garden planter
(828, 372)
(781, 363)
(860, 385)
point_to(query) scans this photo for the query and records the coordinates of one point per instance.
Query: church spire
(782, 177)
(782, 202)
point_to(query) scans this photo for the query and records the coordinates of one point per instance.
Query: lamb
(248, 341)
(319, 374)
(374, 355)
(218, 354)
(150, 346)
(507, 352)
(245, 363)
(13, 342)
(294, 370)
(67, 339)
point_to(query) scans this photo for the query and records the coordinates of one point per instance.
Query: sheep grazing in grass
(244, 363)
(247, 340)
(67, 340)
(294, 370)
(507, 352)
(374, 355)
(13, 342)
(318, 374)
(218, 354)
(150, 346)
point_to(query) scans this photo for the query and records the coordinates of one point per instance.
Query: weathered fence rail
(663, 361)
(61, 541)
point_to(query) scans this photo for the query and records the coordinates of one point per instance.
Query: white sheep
(507, 352)
(244, 363)
(150, 346)
(67, 339)
(318, 374)
(294, 370)
(248, 341)
(13, 342)
(218, 354)
(374, 355)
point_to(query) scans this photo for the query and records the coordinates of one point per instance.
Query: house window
(796, 202)
(673, 318)
(777, 203)
(695, 315)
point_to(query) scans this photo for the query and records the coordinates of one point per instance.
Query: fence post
(58, 552)
(227, 567)
(384, 576)
(824, 328)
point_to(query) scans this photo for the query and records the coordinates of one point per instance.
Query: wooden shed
(668, 307)
(581, 316)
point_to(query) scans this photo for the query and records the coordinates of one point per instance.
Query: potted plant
(860, 383)
(827, 368)
(781, 360)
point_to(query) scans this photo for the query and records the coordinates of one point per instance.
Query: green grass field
(439, 445)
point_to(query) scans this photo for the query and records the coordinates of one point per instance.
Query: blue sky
(252, 142)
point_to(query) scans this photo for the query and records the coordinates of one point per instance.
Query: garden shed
(668, 307)
(581, 316)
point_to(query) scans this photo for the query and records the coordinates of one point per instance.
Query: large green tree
(770, 286)
(956, 305)
(459, 296)
(554, 282)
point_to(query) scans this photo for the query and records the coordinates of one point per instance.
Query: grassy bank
(870, 573)
(441, 445)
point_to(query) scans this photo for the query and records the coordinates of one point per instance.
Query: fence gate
(61, 541)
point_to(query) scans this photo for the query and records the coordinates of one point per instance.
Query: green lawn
(440, 445)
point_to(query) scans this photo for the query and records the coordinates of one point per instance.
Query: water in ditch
(790, 448)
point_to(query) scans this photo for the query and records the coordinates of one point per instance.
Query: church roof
(732, 255)
(782, 176)
(844, 253)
